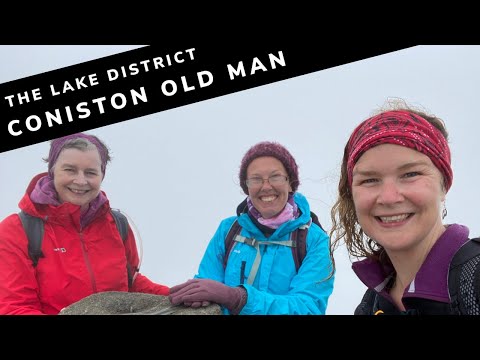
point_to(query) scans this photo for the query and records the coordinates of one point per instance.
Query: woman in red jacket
(83, 250)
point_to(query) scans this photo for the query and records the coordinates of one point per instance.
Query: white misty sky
(175, 173)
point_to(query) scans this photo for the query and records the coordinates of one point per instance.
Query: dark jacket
(427, 294)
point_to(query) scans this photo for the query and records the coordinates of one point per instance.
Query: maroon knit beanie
(57, 145)
(273, 149)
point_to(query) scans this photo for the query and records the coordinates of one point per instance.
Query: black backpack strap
(315, 220)
(122, 225)
(299, 246)
(369, 304)
(464, 279)
(299, 238)
(34, 229)
(229, 240)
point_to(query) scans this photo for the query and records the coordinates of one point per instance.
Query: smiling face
(78, 176)
(268, 200)
(398, 193)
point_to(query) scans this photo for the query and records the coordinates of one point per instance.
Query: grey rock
(127, 303)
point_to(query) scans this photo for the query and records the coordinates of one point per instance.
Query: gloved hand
(200, 290)
(197, 304)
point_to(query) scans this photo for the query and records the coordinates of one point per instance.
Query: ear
(444, 192)
(443, 196)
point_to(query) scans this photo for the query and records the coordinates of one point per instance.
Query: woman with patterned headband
(395, 175)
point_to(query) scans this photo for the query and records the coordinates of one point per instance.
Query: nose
(266, 183)
(80, 179)
(389, 193)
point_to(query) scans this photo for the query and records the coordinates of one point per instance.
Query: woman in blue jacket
(260, 276)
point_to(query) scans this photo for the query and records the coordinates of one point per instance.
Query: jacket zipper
(87, 262)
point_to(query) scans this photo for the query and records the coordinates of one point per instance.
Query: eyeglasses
(274, 180)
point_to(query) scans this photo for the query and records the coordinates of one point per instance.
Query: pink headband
(400, 128)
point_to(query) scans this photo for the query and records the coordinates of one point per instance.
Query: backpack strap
(464, 279)
(369, 304)
(122, 225)
(299, 246)
(258, 258)
(299, 236)
(234, 230)
(315, 220)
(297, 242)
(34, 229)
(121, 222)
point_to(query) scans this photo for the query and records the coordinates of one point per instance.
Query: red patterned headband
(400, 128)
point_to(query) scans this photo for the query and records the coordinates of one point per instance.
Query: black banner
(149, 80)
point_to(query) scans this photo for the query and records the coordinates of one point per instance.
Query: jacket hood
(54, 213)
(26, 204)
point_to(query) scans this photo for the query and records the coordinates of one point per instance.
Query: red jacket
(77, 263)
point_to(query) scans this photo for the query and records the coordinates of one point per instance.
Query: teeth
(396, 218)
(268, 198)
(78, 191)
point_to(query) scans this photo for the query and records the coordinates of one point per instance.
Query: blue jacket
(278, 289)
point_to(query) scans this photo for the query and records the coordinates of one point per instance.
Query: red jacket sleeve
(18, 285)
(141, 283)
(145, 285)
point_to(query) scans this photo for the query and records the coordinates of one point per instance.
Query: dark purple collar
(430, 282)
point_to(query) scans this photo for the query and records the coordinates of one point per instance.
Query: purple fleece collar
(45, 193)
(430, 282)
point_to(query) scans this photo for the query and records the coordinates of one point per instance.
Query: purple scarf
(44, 193)
(289, 212)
